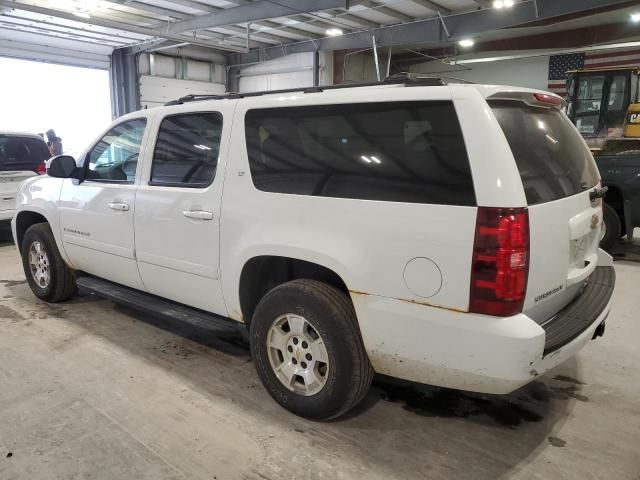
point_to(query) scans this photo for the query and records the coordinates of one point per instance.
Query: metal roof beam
(255, 11)
(340, 17)
(436, 7)
(103, 22)
(390, 12)
(430, 31)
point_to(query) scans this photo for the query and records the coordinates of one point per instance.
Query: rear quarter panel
(367, 243)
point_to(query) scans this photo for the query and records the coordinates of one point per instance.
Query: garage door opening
(73, 101)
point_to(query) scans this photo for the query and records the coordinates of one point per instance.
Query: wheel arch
(262, 273)
(24, 220)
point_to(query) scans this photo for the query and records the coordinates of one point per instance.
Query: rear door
(177, 217)
(558, 173)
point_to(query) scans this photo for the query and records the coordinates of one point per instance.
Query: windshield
(551, 156)
(22, 153)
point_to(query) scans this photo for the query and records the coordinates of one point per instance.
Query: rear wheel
(612, 228)
(307, 349)
(48, 276)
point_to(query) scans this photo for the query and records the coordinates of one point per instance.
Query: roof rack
(407, 79)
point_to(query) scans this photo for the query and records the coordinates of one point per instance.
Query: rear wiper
(597, 193)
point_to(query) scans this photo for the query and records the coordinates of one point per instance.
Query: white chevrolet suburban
(441, 233)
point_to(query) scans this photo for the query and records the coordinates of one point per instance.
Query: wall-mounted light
(333, 32)
(466, 43)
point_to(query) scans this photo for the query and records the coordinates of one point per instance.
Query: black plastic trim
(153, 304)
(580, 314)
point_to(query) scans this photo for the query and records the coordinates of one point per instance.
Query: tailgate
(9, 184)
(563, 252)
(558, 173)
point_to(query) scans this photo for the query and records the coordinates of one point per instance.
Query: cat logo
(594, 221)
(634, 118)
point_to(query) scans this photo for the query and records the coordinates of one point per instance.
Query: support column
(123, 80)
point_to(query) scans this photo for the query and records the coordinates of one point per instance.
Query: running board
(155, 305)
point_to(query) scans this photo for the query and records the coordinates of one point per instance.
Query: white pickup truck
(441, 233)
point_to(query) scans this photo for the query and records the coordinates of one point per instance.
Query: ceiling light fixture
(498, 4)
(466, 43)
(334, 32)
(635, 17)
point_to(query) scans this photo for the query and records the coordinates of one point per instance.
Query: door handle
(199, 214)
(119, 206)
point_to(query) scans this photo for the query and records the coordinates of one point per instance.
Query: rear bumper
(474, 352)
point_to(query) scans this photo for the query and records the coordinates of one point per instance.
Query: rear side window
(550, 154)
(393, 151)
(186, 153)
(21, 153)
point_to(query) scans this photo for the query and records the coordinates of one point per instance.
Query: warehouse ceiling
(84, 32)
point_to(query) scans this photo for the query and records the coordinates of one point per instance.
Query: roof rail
(407, 79)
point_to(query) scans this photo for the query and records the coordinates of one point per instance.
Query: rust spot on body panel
(408, 300)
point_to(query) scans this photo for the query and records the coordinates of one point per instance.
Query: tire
(613, 228)
(61, 282)
(328, 312)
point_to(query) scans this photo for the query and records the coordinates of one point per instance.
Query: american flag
(560, 64)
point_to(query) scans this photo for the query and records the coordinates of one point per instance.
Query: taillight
(500, 264)
(549, 99)
(41, 168)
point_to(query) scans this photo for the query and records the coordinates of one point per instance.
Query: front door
(177, 217)
(96, 213)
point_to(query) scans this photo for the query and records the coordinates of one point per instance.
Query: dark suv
(23, 152)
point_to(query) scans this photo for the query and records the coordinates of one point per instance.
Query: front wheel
(612, 228)
(48, 276)
(307, 349)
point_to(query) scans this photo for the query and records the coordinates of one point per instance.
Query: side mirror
(61, 166)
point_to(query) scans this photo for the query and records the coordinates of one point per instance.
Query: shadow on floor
(6, 238)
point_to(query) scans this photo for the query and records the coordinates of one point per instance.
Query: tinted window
(21, 153)
(401, 151)
(550, 154)
(115, 156)
(187, 149)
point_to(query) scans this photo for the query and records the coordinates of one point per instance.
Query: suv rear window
(393, 151)
(550, 154)
(21, 153)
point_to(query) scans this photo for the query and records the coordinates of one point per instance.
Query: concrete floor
(94, 391)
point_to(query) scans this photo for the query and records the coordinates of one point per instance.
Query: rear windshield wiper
(597, 193)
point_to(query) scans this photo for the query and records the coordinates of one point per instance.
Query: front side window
(187, 149)
(393, 151)
(115, 157)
